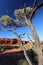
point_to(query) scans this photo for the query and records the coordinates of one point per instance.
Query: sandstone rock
(11, 41)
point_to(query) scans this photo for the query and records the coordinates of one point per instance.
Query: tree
(25, 14)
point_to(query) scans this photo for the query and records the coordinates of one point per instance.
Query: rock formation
(11, 41)
(9, 45)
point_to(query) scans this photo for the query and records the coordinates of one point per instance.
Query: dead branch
(35, 9)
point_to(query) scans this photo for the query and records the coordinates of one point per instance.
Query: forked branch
(23, 48)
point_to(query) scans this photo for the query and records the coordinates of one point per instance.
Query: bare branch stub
(34, 4)
(35, 9)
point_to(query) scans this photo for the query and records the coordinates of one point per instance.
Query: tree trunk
(37, 41)
(40, 60)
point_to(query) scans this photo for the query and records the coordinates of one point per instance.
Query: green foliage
(7, 19)
(20, 12)
(22, 62)
(1, 49)
(28, 9)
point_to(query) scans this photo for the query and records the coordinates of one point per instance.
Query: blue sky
(38, 22)
(10, 6)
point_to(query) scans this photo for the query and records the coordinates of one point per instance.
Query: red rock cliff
(11, 41)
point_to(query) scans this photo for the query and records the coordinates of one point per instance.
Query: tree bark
(40, 60)
(37, 41)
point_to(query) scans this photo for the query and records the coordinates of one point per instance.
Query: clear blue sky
(10, 6)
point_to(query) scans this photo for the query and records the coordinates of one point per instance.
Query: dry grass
(27, 47)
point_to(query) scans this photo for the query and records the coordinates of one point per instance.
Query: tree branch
(28, 35)
(35, 1)
(25, 53)
(36, 38)
(35, 9)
